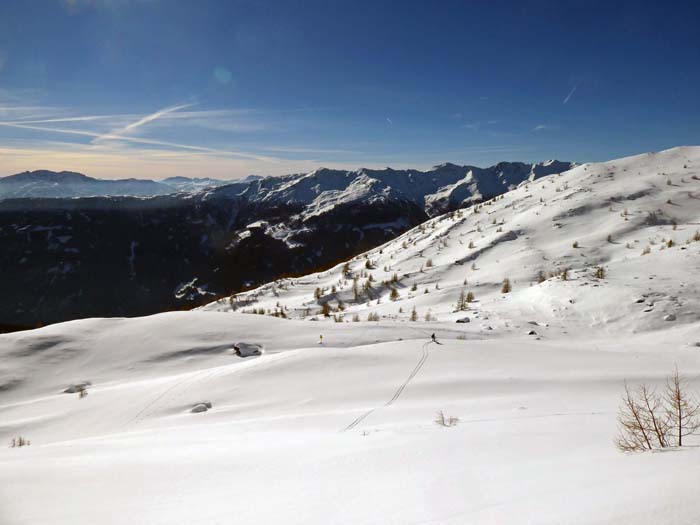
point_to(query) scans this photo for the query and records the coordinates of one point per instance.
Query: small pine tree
(326, 310)
(414, 314)
(461, 301)
(394, 295)
(506, 288)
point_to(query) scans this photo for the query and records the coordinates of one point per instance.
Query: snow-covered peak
(635, 218)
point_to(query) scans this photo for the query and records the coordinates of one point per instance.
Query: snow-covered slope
(594, 218)
(103, 256)
(343, 431)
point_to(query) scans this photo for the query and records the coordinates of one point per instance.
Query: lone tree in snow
(506, 288)
(682, 410)
(394, 296)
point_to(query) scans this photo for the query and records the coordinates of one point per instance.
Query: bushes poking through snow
(19, 442)
(649, 421)
(445, 421)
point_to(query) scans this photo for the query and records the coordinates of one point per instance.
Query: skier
(320, 340)
(433, 339)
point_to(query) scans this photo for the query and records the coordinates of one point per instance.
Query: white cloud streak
(571, 93)
(142, 121)
(139, 140)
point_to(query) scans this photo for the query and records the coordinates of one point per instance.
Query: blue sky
(152, 88)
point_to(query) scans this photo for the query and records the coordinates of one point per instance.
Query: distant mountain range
(68, 184)
(133, 247)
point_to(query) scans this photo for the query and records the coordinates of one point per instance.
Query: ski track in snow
(424, 357)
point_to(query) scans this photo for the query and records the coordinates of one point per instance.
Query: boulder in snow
(200, 407)
(77, 387)
(248, 349)
(464, 320)
(670, 317)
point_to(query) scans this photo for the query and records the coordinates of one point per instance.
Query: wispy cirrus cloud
(571, 93)
(544, 127)
(475, 126)
(153, 144)
(137, 140)
(142, 122)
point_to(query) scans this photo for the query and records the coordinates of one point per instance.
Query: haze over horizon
(151, 89)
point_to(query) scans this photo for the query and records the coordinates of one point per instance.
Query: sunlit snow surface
(343, 431)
